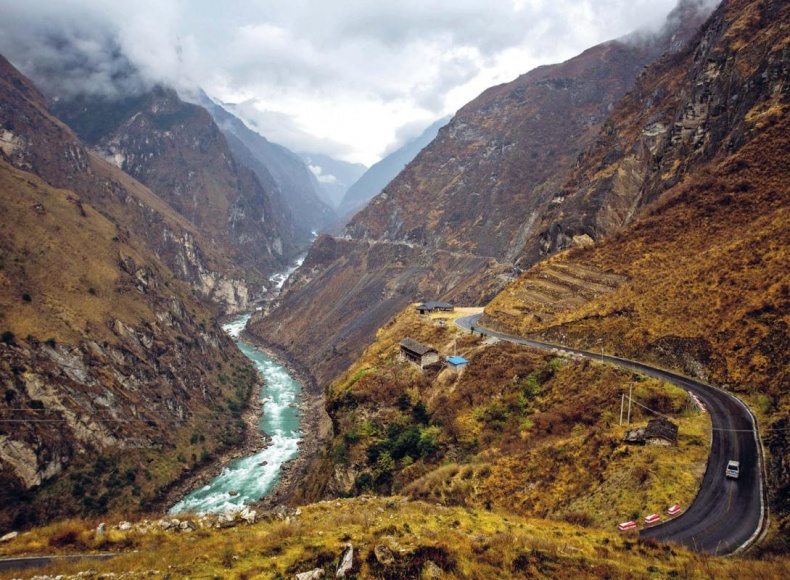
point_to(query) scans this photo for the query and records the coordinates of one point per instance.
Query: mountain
(700, 281)
(296, 186)
(467, 210)
(376, 178)
(334, 176)
(177, 150)
(114, 372)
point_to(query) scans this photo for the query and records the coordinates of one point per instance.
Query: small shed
(457, 363)
(418, 353)
(428, 307)
(658, 432)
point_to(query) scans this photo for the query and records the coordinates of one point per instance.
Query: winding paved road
(727, 515)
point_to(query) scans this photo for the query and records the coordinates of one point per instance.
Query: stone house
(418, 353)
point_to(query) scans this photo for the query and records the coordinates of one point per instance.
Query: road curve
(727, 515)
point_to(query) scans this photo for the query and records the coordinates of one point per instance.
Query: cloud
(338, 77)
(319, 174)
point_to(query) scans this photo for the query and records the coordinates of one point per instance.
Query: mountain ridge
(454, 224)
(376, 177)
(110, 357)
(177, 150)
(295, 185)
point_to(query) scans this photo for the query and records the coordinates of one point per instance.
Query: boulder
(125, 526)
(101, 530)
(187, 526)
(431, 570)
(346, 562)
(311, 575)
(384, 555)
(226, 520)
(248, 515)
(9, 536)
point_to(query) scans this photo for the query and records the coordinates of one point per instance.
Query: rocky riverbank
(314, 423)
(254, 441)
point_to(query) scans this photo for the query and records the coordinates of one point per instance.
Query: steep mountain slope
(114, 373)
(334, 177)
(460, 215)
(701, 283)
(35, 141)
(517, 431)
(375, 179)
(177, 150)
(297, 187)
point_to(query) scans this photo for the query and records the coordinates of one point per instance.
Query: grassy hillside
(413, 539)
(518, 430)
(700, 282)
(713, 301)
(116, 380)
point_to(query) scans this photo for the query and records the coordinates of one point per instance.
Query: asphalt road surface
(8, 564)
(728, 514)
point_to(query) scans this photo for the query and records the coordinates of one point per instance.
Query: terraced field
(553, 288)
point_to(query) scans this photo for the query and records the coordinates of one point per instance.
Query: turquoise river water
(248, 479)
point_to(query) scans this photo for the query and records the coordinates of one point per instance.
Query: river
(248, 479)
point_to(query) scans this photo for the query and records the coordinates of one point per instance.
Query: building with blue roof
(457, 363)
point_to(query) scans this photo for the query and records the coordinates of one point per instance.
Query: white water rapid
(248, 479)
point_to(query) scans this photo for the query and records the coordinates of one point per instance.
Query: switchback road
(727, 514)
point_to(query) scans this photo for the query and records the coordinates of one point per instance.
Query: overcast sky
(353, 79)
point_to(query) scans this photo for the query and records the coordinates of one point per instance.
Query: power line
(712, 429)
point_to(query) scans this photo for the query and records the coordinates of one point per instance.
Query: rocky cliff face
(177, 150)
(294, 184)
(34, 141)
(700, 281)
(113, 370)
(375, 179)
(470, 207)
(670, 124)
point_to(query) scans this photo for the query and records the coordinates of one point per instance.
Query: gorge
(632, 200)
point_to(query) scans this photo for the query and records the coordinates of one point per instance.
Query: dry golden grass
(59, 272)
(463, 543)
(519, 431)
(711, 300)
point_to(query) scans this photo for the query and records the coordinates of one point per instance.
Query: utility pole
(622, 401)
(630, 392)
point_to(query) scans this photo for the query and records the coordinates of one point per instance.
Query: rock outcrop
(112, 368)
(468, 210)
(177, 150)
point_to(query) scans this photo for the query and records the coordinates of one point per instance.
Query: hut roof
(416, 347)
(434, 305)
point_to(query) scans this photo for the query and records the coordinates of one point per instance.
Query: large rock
(311, 575)
(346, 562)
(384, 555)
(227, 520)
(248, 515)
